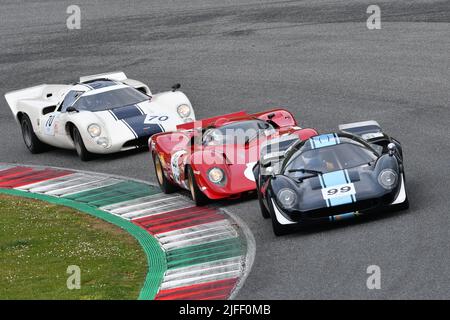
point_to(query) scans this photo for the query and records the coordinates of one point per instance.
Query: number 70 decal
(149, 119)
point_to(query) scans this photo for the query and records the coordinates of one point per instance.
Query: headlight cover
(216, 175)
(287, 198)
(388, 179)
(184, 111)
(94, 130)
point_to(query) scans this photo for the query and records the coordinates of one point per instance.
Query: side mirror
(391, 148)
(175, 87)
(71, 109)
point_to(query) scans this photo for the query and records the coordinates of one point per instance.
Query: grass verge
(38, 241)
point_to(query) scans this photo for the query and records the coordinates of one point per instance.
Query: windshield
(332, 158)
(110, 99)
(236, 133)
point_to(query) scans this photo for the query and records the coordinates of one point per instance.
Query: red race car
(213, 158)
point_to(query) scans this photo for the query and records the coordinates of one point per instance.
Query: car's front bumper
(342, 213)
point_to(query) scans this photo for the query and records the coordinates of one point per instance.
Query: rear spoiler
(209, 121)
(115, 76)
(367, 130)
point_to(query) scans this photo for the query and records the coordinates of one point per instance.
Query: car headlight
(94, 130)
(184, 111)
(287, 198)
(216, 175)
(388, 179)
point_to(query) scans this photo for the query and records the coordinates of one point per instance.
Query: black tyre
(82, 152)
(165, 185)
(29, 137)
(403, 206)
(196, 194)
(265, 213)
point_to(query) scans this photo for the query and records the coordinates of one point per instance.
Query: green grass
(38, 241)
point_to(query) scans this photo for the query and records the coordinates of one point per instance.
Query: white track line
(70, 185)
(85, 187)
(205, 238)
(173, 273)
(197, 231)
(43, 185)
(200, 279)
(194, 229)
(139, 204)
(159, 209)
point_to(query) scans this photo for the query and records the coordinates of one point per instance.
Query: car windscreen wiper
(303, 170)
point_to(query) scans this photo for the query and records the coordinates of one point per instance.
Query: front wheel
(279, 229)
(196, 194)
(82, 152)
(165, 185)
(30, 139)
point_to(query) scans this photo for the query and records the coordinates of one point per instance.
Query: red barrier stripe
(27, 174)
(220, 289)
(32, 177)
(178, 220)
(170, 217)
(173, 214)
(13, 172)
(184, 224)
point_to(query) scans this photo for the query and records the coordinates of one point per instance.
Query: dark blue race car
(330, 177)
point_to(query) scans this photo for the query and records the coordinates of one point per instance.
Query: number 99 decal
(338, 191)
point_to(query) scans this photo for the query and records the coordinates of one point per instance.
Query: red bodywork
(177, 151)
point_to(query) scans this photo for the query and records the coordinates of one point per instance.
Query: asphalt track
(316, 58)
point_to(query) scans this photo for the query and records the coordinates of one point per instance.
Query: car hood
(140, 119)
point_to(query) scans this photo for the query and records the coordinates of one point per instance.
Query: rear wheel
(196, 194)
(30, 139)
(82, 152)
(165, 185)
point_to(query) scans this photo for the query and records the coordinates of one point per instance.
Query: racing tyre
(196, 194)
(265, 213)
(29, 137)
(279, 229)
(404, 205)
(165, 185)
(80, 147)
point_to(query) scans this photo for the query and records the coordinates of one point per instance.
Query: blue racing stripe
(134, 118)
(141, 128)
(126, 112)
(336, 178)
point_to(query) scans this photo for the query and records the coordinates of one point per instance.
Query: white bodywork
(43, 105)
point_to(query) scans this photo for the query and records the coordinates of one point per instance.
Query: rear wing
(209, 121)
(367, 130)
(115, 76)
(36, 98)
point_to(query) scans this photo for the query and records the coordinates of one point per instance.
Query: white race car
(101, 114)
